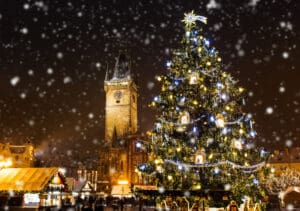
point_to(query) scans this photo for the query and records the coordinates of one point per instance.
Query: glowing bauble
(237, 144)
(184, 118)
(220, 123)
(200, 157)
(194, 77)
(182, 101)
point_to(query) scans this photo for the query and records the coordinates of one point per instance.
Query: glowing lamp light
(138, 145)
(5, 164)
(30, 198)
(123, 182)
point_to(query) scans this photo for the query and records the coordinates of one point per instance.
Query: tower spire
(106, 73)
(122, 67)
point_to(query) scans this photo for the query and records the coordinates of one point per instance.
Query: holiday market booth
(84, 189)
(32, 187)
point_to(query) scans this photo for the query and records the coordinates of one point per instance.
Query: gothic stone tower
(120, 123)
(121, 101)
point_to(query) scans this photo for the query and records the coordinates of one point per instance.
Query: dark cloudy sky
(54, 53)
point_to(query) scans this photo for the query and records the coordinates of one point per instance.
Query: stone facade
(19, 156)
(288, 158)
(121, 107)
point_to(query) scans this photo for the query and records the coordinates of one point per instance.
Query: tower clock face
(117, 95)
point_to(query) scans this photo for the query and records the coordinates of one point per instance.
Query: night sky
(54, 54)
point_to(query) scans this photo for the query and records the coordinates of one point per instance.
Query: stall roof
(83, 186)
(25, 179)
(121, 190)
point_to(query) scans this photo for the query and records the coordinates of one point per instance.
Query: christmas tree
(202, 140)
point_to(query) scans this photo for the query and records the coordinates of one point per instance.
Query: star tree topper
(191, 18)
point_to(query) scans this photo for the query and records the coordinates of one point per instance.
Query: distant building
(88, 175)
(287, 158)
(120, 156)
(18, 156)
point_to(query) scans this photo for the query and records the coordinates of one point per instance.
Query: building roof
(25, 179)
(83, 186)
(121, 190)
(289, 155)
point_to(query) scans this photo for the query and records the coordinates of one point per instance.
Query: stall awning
(26, 179)
(120, 190)
(145, 187)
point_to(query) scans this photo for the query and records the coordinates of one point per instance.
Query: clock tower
(121, 101)
(120, 156)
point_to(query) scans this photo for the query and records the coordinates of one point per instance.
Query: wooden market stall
(34, 187)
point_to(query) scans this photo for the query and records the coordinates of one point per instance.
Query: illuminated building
(120, 156)
(19, 156)
(285, 159)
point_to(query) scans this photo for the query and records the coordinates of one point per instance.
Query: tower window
(117, 101)
(133, 98)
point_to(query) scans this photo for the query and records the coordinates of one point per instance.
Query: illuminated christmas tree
(202, 140)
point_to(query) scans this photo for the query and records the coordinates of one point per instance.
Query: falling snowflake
(26, 6)
(60, 55)
(67, 80)
(24, 30)
(50, 71)
(15, 80)
(285, 55)
(269, 110)
(281, 89)
(288, 143)
(213, 5)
